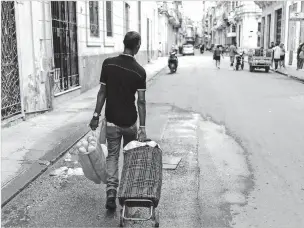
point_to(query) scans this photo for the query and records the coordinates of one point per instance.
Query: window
(259, 41)
(259, 27)
(139, 17)
(233, 5)
(127, 18)
(292, 29)
(302, 25)
(268, 30)
(233, 28)
(278, 15)
(263, 31)
(239, 35)
(109, 18)
(94, 19)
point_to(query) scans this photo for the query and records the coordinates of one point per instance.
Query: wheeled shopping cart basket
(141, 181)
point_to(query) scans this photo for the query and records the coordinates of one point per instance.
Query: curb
(285, 74)
(289, 76)
(20, 182)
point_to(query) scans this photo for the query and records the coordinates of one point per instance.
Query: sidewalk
(289, 71)
(30, 147)
(292, 72)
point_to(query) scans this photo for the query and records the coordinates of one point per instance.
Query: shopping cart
(141, 180)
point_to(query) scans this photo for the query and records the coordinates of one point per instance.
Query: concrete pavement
(29, 147)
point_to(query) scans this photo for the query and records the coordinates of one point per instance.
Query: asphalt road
(240, 137)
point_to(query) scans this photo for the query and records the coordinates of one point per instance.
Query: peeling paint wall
(34, 47)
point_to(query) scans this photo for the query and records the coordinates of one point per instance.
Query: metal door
(64, 27)
(10, 82)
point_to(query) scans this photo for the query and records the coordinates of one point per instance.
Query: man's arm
(141, 105)
(101, 98)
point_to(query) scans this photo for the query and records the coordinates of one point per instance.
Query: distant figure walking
(217, 56)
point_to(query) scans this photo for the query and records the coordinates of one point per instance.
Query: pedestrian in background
(217, 56)
(299, 61)
(301, 58)
(276, 55)
(232, 53)
(121, 77)
(271, 47)
(282, 57)
(160, 49)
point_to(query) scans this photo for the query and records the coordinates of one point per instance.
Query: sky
(193, 9)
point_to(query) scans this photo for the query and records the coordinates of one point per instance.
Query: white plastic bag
(92, 158)
(102, 137)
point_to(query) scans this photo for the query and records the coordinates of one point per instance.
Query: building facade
(53, 51)
(169, 23)
(236, 22)
(278, 25)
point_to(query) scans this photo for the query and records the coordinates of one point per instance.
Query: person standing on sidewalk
(301, 58)
(121, 77)
(276, 55)
(282, 57)
(272, 47)
(298, 56)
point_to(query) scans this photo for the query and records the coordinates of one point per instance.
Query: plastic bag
(92, 158)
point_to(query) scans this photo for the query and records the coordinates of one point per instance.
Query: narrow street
(240, 138)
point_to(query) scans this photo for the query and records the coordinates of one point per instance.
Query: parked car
(188, 49)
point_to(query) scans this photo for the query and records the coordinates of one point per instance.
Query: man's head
(277, 43)
(272, 43)
(132, 42)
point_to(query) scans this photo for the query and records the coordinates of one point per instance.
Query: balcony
(264, 4)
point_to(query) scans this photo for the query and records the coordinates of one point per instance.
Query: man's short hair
(131, 40)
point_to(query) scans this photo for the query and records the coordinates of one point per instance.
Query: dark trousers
(276, 63)
(300, 63)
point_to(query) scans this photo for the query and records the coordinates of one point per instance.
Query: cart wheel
(156, 219)
(121, 220)
(251, 68)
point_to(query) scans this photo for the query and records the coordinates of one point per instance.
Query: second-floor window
(109, 18)
(127, 17)
(259, 27)
(139, 17)
(94, 18)
(233, 28)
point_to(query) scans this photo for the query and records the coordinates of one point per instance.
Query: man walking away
(276, 55)
(121, 77)
(232, 53)
(217, 56)
(282, 58)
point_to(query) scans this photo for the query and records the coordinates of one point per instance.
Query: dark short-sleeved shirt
(123, 77)
(217, 52)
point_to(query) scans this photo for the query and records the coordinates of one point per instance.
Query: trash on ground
(59, 172)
